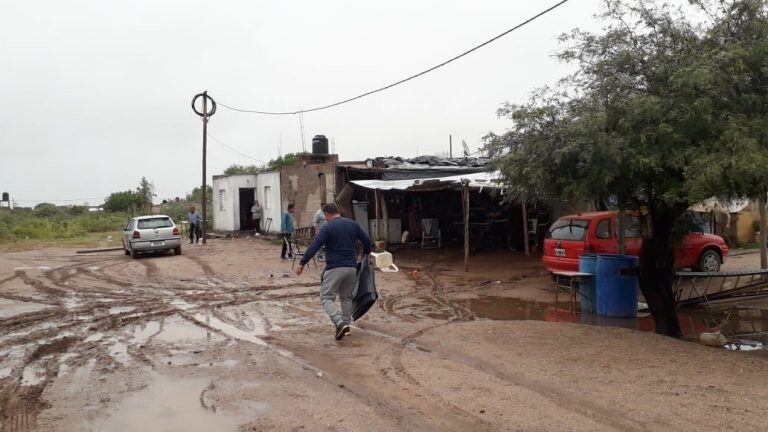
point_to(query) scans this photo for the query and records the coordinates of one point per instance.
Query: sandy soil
(225, 338)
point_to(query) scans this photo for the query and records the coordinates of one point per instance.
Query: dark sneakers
(342, 330)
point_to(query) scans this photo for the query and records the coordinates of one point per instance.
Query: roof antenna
(466, 148)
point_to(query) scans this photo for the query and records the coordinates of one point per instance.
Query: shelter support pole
(526, 240)
(376, 203)
(385, 215)
(465, 202)
(763, 236)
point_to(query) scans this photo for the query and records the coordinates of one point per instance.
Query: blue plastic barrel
(616, 293)
(588, 264)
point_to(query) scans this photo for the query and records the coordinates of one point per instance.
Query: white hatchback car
(151, 234)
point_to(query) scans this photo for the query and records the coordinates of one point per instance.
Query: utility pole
(205, 114)
(450, 146)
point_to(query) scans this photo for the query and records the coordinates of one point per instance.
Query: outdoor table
(569, 281)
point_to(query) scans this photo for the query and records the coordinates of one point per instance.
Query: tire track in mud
(207, 269)
(563, 399)
(150, 267)
(22, 403)
(577, 404)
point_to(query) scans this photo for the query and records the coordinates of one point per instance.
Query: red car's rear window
(568, 229)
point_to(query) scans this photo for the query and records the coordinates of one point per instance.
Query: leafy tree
(120, 202)
(144, 194)
(236, 169)
(77, 210)
(46, 210)
(196, 195)
(289, 159)
(661, 113)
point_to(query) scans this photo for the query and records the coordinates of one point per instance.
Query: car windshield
(568, 229)
(155, 223)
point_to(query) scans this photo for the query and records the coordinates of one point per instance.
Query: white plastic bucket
(384, 262)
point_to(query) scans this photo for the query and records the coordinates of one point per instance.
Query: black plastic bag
(366, 294)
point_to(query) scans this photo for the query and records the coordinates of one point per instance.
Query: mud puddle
(168, 404)
(692, 323)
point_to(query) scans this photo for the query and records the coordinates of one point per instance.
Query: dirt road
(225, 338)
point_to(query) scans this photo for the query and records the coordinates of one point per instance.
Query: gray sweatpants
(341, 282)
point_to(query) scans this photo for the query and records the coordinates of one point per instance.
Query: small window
(154, 223)
(267, 193)
(128, 227)
(222, 199)
(568, 229)
(603, 230)
(633, 228)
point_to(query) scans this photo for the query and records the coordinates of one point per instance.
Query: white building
(234, 195)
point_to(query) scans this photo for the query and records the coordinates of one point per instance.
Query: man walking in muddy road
(340, 237)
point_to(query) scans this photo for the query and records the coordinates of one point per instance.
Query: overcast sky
(96, 94)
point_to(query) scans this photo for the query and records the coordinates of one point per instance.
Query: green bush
(102, 222)
(21, 224)
(39, 228)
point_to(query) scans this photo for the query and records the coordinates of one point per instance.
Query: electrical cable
(452, 59)
(58, 200)
(235, 150)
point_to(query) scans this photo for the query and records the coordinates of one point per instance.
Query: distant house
(234, 195)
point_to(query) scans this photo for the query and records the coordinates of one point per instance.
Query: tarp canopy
(715, 205)
(487, 179)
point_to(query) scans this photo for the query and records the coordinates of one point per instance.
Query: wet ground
(225, 338)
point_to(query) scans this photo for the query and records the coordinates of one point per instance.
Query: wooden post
(465, 202)
(385, 215)
(763, 236)
(376, 202)
(526, 240)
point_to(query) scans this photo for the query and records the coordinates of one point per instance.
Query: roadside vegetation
(48, 225)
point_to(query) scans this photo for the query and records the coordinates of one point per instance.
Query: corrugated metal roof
(489, 179)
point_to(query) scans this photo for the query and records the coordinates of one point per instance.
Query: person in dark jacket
(340, 237)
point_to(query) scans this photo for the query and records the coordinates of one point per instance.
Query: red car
(573, 235)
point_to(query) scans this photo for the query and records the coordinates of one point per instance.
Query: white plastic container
(384, 262)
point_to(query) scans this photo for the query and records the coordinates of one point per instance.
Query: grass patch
(87, 240)
(25, 229)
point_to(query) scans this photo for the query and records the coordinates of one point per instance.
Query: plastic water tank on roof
(320, 145)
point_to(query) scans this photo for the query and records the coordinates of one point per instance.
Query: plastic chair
(430, 234)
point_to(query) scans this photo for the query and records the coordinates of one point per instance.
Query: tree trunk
(763, 237)
(657, 260)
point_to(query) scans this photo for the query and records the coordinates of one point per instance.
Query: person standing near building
(195, 225)
(340, 237)
(318, 222)
(286, 230)
(257, 212)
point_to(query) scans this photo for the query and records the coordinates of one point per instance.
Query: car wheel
(177, 251)
(126, 251)
(709, 261)
(134, 254)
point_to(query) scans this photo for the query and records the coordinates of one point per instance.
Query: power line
(235, 150)
(59, 200)
(452, 59)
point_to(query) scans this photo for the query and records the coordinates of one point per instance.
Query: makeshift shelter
(733, 220)
(468, 208)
